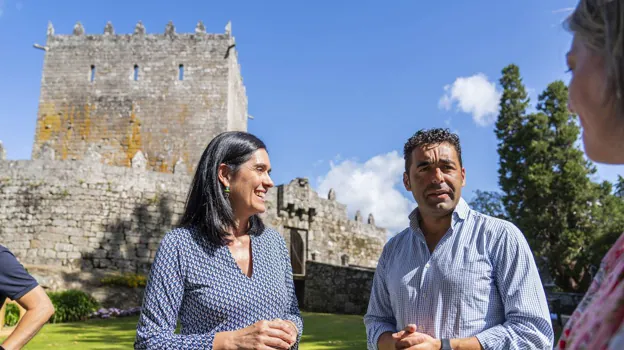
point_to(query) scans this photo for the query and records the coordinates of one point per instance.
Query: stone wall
(106, 97)
(328, 234)
(55, 278)
(87, 215)
(337, 289)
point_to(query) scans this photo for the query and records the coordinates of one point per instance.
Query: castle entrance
(297, 250)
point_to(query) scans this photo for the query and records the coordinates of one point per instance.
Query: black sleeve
(15, 282)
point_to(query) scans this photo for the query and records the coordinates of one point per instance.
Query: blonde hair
(600, 24)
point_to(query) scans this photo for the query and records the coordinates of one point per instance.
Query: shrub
(72, 305)
(131, 280)
(11, 315)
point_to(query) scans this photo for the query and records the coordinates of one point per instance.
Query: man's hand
(410, 328)
(409, 339)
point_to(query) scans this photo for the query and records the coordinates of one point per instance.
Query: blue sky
(335, 87)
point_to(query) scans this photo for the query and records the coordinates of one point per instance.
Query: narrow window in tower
(92, 72)
(136, 72)
(181, 72)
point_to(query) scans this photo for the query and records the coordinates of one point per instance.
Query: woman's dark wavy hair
(207, 207)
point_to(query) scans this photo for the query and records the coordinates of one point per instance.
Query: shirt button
(427, 266)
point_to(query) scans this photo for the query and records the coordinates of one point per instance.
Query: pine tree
(545, 179)
(619, 187)
(513, 104)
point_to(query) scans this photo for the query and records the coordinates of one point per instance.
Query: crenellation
(79, 29)
(228, 28)
(139, 29)
(2, 152)
(50, 31)
(170, 29)
(331, 195)
(200, 28)
(108, 29)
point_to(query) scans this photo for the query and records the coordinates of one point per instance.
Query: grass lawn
(321, 331)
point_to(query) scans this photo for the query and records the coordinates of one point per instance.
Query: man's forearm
(386, 341)
(27, 327)
(471, 343)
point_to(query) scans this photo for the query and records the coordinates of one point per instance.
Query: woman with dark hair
(222, 273)
(596, 61)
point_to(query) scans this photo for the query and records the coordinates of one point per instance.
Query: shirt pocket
(478, 292)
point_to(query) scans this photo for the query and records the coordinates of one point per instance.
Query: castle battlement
(139, 33)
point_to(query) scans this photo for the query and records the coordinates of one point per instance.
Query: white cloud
(475, 95)
(371, 187)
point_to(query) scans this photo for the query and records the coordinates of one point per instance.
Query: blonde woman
(596, 60)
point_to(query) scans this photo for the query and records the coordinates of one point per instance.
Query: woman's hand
(292, 329)
(262, 335)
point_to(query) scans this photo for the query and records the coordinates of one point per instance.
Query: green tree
(513, 104)
(489, 203)
(608, 218)
(619, 187)
(545, 179)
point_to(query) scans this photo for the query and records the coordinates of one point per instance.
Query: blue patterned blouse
(200, 283)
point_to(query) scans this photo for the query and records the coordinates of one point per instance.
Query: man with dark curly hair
(455, 278)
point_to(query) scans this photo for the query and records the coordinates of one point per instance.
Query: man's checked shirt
(480, 280)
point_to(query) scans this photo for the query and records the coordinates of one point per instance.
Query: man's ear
(406, 182)
(225, 174)
(463, 177)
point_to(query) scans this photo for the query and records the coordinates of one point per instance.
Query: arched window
(136, 72)
(344, 259)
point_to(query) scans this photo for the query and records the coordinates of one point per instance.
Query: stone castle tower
(152, 100)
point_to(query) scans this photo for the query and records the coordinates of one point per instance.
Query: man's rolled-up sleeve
(379, 317)
(527, 318)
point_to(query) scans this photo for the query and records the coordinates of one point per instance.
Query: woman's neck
(241, 225)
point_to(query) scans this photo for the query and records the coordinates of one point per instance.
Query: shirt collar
(459, 213)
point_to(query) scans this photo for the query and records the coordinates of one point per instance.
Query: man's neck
(434, 228)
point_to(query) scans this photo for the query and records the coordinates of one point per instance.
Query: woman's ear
(224, 174)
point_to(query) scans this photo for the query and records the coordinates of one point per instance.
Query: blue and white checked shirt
(481, 280)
